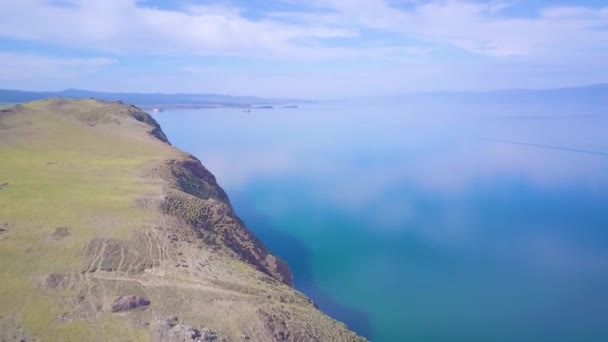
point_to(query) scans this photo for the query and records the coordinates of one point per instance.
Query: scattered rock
(185, 332)
(170, 330)
(169, 322)
(129, 302)
(61, 232)
(207, 335)
(55, 281)
(5, 227)
(313, 303)
(3, 186)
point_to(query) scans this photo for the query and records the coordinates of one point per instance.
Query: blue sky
(314, 48)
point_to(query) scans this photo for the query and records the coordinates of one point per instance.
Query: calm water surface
(425, 222)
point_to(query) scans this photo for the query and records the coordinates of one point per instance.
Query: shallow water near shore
(418, 221)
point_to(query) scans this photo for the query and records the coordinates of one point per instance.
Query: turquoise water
(425, 221)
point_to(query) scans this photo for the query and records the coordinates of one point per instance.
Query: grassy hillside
(95, 205)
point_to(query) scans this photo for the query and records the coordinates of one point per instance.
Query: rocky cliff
(108, 233)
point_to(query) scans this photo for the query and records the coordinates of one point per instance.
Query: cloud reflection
(415, 209)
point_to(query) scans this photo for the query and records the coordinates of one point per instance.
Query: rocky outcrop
(144, 117)
(170, 330)
(194, 197)
(129, 302)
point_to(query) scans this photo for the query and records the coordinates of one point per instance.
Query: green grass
(63, 173)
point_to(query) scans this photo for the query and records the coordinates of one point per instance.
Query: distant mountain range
(592, 94)
(149, 100)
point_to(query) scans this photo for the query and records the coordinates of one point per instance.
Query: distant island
(156, 102)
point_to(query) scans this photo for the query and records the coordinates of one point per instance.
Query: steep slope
(107, 233)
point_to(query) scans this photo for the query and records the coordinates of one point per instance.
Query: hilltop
(108, 233)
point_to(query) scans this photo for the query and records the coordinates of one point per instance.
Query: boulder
(129, 302)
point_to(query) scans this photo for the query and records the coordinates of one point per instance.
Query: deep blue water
(436, 221)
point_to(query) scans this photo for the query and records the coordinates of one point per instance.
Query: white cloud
(382, 46)
(121, 26)
(478, 27)
(126, 26)
(20, 66)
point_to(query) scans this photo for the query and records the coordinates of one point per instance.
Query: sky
(313, 48)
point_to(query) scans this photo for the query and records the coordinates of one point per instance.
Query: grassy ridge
(61, 175)
(95, 204)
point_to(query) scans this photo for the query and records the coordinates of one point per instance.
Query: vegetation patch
(61, 232)
(55, 281)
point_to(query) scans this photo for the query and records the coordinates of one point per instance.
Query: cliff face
(195, 198)
(109, 233)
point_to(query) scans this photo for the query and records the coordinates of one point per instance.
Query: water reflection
(298, 256)
(434, 221)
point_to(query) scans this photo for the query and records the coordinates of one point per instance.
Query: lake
(425, 220)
